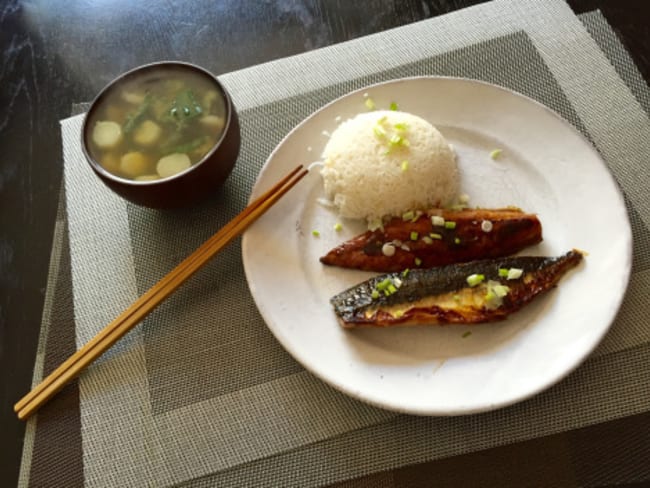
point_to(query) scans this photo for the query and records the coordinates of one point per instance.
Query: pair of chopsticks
(110, 334)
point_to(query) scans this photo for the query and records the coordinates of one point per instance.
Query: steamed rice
(365, 176)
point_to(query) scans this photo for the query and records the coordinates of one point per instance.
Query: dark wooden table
(55, 53)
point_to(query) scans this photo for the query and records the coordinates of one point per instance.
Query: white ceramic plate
(546, 167)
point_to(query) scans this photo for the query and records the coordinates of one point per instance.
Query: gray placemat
(201, 393)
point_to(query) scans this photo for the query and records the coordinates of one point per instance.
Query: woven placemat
(201, 394)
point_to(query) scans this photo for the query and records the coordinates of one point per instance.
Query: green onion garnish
(393, 106)
(392, 289)
(379, 131)
(435, 236)
(449, 224)
(338, 227)
(374, 294)
(414, 236)
(398, 314)
(437, 221)
(501, 290)
(374, 224)
(405, 165)
(401, 126)
(457, 240)
(395, 140)
(503, 272)
(495, 153)
(405, 273)
(457, 298)
(406, 216)
(370, 104)
(475, 279)
(418, 261)
(427, 240)
(315, 233)
(383, 284)
(515, 273)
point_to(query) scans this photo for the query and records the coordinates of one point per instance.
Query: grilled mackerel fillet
(453, 294)
(418, 242)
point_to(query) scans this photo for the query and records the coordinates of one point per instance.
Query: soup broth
(157, 125)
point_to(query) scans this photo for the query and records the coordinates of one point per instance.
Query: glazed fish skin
(512, 230)
(443, 296)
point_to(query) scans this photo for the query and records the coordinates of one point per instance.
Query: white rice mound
(363, 175)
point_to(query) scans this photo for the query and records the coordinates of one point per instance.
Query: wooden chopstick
(133, 315)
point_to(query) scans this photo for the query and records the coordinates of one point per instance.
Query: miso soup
(157, 124)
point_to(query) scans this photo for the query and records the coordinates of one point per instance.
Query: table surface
(56, 53)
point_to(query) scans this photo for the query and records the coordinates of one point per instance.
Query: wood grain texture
(55, 53)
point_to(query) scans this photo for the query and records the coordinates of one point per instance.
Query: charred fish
(438, 237)
(467, 293)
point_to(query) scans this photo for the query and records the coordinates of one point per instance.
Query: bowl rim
(103, 93)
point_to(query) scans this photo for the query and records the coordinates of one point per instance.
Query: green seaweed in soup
(157, 125)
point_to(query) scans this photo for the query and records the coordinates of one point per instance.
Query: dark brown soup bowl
(190, 186)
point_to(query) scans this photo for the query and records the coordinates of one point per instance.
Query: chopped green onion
(374, 294)
(315, 233)
(405, 273)
(515, 273)
(495, 293)
(417, 215)
(383, 284)
(418, 261)
(388, 249)
(393, 106)
(370, 104)
(475, 279)
(405, 165)
(397, 282)
(450, 224)
(457, 240)
(427, 240)
(406, 216)
(414, 236)
(398, 314)
(433, 235)
(386, 293)
(338, 227)
(495, 153)
(503, 272)
(467, 334)
(392, 288)
(457, 298)
(405, 142)
(379, 131)
(486, 226)
(395, 140)
(382, 119)
(375, 224)
(501, 290)
(401, 126)
(437, 221)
